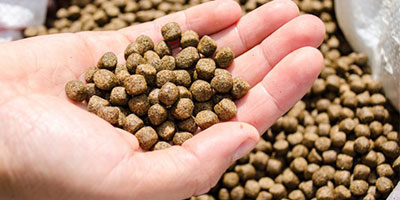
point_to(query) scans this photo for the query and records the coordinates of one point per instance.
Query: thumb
(191, 169)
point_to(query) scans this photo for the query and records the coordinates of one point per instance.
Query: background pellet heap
(160, 98)
(339, 142)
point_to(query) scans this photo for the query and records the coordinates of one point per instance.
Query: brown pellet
(230, 179)
(157, 114)
(189, 38)
(119, 96)
(163, 49)
(108, 61)
(251, 188)
(133, 61)
(95, 103)
(166, 130)
(161, 145)
(76, 90)
(326, 193)
(182, 77)
(224, 57)
(168, 63)
(164, 76)
(225, 109)
(187, 58)
(384, 185)
(201, 90)
(139, 105)
(239, 88)
(90, 73)
(171, 31)
(222, 83)
(110, 114)
(188, 125)
(153, 96)
(205, 68)
(206, 118)
(207, 46)
(105, 79)
(358, 187)
(135, 84)
(134, 47)
(148, 72)
(168, 94)
(183, 109)
(181, 137)
(146, 42)
(147, 137)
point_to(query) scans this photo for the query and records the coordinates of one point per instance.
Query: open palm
(52, 149)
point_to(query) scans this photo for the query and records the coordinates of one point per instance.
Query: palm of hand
(74, 154)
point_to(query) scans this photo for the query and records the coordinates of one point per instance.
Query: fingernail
(244, 148)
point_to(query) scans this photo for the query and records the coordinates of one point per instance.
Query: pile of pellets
(339, 142)
(96, 15)
(159, 98)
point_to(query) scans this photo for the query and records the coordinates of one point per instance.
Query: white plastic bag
(373, 27)
(18, 14)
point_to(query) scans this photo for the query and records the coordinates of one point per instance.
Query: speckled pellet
(157, 114)
(133, 61)
(163, 49)
(95, 103)
(147, 137)
(189, 38)
(119, 96)
(133, 123)
(153, 96)
(166, 130)
(181, 137)
(110, 114)
(171, 31)
(168, 94)
(146, 42)
(148, 71)
(205, 68)
(225, 109)
(184, 92)
(108, 61)
(164, 76)
(201, 90)
(168, 63)
(183, 109)
(135, 84)
(222, 83)
(76, 90)
(90, 73)
(188, 57)
(139, 105)
(206, 118)
(105, 79)
(207, 46)
(188, 125)
(240, 88)
(224, 57)
(182, 77)
(161, 145)
(134, 47)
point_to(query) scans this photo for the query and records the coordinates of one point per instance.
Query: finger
(280, 89)
(195, 166)
(257, 25)
(305, 30)
(204, 19)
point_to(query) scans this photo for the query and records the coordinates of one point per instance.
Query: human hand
(52, 149)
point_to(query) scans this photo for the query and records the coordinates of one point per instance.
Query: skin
(53, 149)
